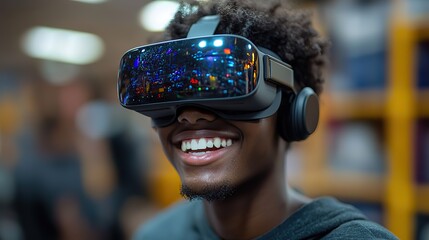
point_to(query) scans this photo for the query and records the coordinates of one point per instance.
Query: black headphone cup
(311, 113)
(300, 117)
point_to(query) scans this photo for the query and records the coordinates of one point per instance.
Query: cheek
(260, 144)
(163, 134)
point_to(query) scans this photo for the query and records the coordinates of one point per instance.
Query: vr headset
(226, 74)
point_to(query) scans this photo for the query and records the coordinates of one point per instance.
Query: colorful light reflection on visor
(189, 69)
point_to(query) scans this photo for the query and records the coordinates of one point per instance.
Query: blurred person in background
(78, 169)
(48, 175)
(231, 161)
(9, 123)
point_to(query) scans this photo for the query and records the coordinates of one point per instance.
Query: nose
(193, 115)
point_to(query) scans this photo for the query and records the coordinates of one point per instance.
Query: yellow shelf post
(400, 116)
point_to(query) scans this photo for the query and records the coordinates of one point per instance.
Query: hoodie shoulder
(360, 229)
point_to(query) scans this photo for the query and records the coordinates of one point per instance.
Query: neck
(255, 208)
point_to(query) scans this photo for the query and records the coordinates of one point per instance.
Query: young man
(225, 108)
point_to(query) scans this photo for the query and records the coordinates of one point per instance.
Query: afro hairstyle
(269, 24)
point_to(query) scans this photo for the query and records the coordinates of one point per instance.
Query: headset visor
(212, 67)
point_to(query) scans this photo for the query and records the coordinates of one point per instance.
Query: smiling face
(215, 157)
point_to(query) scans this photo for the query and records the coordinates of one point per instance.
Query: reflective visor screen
(190, 69)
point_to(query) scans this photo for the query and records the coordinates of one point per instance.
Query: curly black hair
(271, 25)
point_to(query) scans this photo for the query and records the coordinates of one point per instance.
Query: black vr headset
(224, 73)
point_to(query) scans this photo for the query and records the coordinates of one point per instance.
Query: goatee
(209, 193)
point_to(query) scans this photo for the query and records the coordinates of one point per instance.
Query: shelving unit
(356, 105)
(399, 106)
(422, 199)
(347, 185)
(423, 103)
(317, 178)
(406, 104)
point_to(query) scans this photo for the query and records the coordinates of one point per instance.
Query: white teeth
(203, 143)
(216, 142)
(194, 144)
(210, 143)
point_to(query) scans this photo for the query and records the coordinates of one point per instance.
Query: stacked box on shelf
(422, 227)
(422, 128)
(422, 152)
(357, 146)
(423, 65)
(359, 51)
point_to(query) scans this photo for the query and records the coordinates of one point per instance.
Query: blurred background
(75, 165)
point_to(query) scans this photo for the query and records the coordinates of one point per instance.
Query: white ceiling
(115, 21)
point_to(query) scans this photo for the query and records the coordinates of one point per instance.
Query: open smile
(206, 144)
(203, 147)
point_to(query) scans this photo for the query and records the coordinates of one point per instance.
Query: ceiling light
(156, 15)
(62, 45)
(91, 1)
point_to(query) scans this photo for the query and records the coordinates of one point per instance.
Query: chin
(208, 192)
